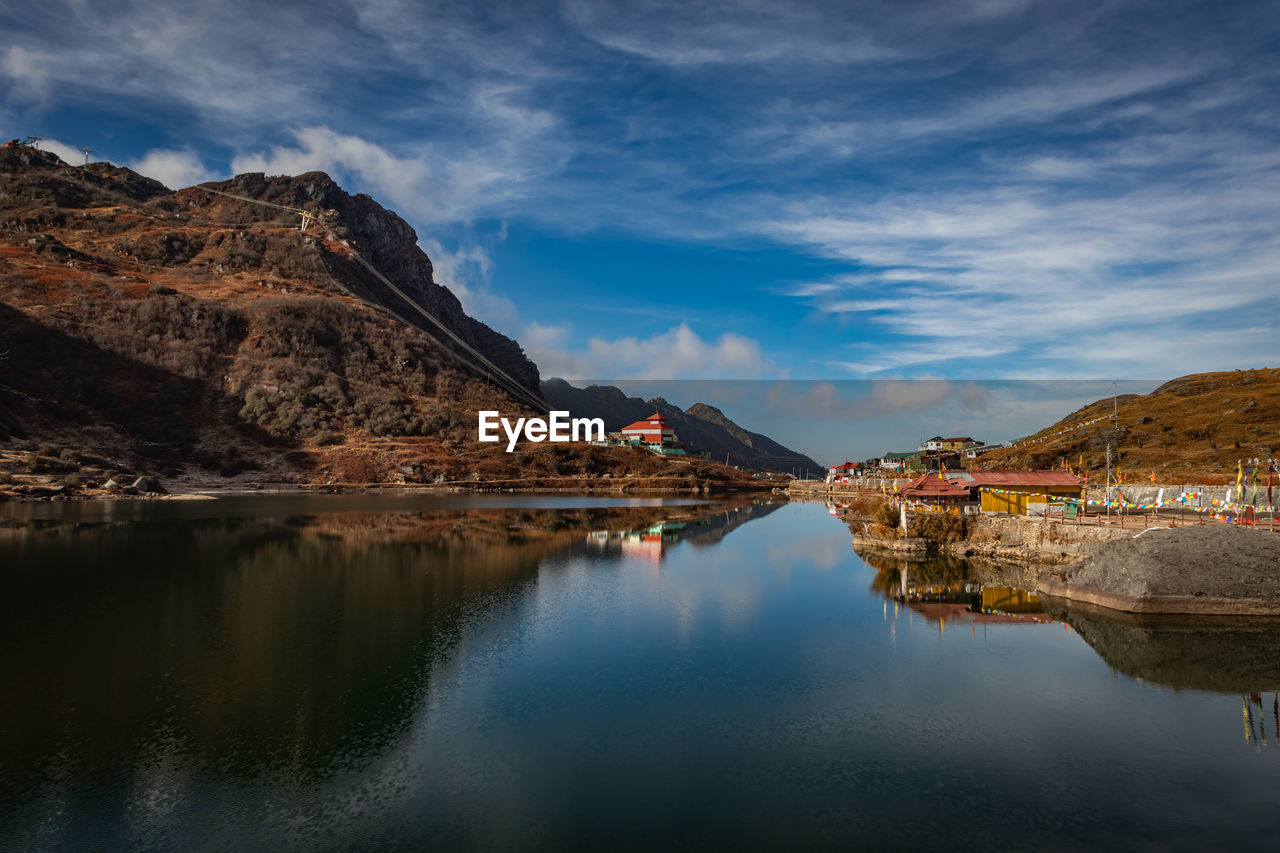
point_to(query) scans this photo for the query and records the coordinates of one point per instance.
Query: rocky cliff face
(381, 236)
(191, 332)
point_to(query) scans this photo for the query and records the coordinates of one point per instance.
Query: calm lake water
(359, 672)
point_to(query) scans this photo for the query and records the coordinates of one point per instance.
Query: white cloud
(1017, 277)
(70, 154)
(689, 34)
(397, 180)
(466, 272)
(418, 183)
(678, 353)
(29, 70)
(1015, 189)
(174, 169)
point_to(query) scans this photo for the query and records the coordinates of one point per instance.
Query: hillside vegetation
(701, 426)
(210, 341)
(1192, 429)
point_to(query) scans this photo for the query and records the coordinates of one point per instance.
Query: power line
(514, 387)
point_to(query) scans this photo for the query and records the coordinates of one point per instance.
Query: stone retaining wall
(1039, 538)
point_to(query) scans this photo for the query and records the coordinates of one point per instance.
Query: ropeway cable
(512, 386)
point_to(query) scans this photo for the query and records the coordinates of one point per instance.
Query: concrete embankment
(1214, 569)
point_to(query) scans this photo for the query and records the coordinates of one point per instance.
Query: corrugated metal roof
(650, 424)
(934, 486)
(959, 482)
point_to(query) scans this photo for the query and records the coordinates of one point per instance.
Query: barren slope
(1191, 429)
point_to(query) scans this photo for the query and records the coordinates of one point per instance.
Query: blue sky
(951, 190)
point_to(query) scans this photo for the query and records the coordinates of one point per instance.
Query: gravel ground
(1204, 569)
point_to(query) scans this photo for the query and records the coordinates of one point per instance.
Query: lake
(513, 672)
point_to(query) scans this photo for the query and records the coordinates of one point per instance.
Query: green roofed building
(900, 461)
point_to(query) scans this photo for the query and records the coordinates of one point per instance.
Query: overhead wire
(485, 366)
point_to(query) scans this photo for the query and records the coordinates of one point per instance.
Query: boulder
(148, 486)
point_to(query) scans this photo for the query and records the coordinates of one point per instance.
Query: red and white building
(652, 430)
(842, 473)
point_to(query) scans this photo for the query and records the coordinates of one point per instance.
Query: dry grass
(207, 341)
(1190, 430)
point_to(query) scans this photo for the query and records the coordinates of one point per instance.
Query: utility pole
(1107, 494)
(87, 152)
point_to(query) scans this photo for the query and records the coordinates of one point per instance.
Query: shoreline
(662, 486)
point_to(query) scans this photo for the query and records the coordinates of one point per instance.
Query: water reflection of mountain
(1216, 654)
(952, 588)
(289, 647)
(701, 529)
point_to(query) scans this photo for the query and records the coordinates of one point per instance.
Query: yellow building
(995, 488)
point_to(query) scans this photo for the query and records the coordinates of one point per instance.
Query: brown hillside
(210, 341)
(1191, 429)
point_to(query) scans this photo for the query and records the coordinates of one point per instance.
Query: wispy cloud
(995, 186)
(466, 271)
(677, 353)
(69, 154)
(174, 169)
(1052, 279)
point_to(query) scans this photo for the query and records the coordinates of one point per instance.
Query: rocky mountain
(1192, 429)
(204, 336)
(701, 426)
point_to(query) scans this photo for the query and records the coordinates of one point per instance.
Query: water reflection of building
(649, 543)
(652, 541)
(945, 590)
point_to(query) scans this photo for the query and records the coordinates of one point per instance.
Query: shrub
(938, 526)
(885, 513)
(327, 437)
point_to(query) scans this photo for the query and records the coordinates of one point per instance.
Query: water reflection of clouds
(497, 692)
(822, 552)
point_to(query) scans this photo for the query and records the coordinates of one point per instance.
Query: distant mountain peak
(701, 426)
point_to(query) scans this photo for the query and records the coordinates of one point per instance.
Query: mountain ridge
(204, 336)
(701, 426)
